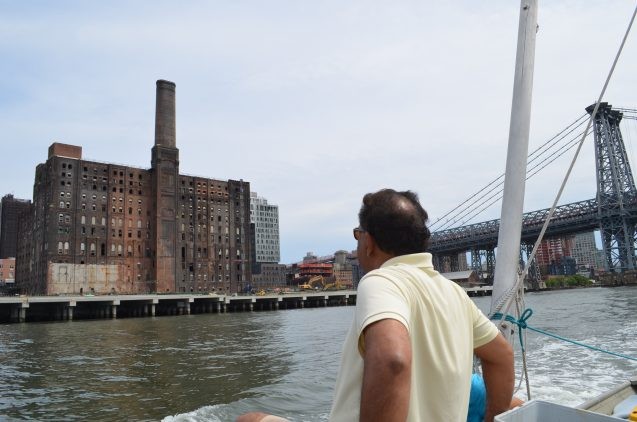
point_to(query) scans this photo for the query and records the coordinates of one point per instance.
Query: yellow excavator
(314, 283)
(334, 286)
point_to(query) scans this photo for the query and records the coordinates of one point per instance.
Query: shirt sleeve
(483, 330)
(379, 298)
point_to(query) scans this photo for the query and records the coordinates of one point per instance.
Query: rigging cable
(505, 303)
(516, 291)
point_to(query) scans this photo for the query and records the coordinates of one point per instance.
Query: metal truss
(569, 218)
(616, 190)
(614, 211)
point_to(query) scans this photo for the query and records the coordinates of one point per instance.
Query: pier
(68, 308)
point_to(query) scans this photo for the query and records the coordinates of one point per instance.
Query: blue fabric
(477, 399)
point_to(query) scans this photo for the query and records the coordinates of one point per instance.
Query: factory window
(103, 221)
(61, 204)
(60, 246)
(83, 220)
(92, 249)
(93, 220)
(82, 247)
(103, 249)
(119, 250)
(68, 205)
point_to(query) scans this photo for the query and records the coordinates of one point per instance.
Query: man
(409, 352)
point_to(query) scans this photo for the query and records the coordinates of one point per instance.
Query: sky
(315, 103)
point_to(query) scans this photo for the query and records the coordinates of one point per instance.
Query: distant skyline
(314, 103)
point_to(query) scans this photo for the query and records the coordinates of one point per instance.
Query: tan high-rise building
(108, 228)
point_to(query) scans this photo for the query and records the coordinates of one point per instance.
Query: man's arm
(387, 372)
(497, 370)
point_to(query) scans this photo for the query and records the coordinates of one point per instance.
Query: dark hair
(396, 220)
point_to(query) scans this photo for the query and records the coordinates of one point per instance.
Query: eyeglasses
(357, 232)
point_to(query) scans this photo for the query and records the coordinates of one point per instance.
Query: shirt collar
(421, 260)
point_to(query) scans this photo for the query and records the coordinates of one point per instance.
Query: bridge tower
(615, 190)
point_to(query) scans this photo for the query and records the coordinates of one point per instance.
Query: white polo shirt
(444, 326)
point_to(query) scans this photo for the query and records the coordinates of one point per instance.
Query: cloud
(314, 103)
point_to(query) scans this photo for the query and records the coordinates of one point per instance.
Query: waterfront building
(553, 249)
(270, 275)
(10, 210)
(585, 251)
(108, 228)
(7, 271)
(265, 218)
(343, 269)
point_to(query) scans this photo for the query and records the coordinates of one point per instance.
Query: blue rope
(523, 325)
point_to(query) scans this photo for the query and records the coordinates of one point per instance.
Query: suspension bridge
(613, 211)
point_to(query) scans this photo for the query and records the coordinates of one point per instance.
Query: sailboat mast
(508, 252)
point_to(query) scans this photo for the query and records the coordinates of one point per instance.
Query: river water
(213, 367)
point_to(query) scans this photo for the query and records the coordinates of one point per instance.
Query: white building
(265, 218)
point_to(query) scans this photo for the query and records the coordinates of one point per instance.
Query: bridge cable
(537, 151)
(462, 214)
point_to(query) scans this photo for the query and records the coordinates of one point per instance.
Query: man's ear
(370, 245)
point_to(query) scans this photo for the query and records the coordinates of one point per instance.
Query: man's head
(391, 224)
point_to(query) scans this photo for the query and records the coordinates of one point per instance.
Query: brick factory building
(106, 228)
(10, 210)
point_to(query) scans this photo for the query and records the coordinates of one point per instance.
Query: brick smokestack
(165, 114)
